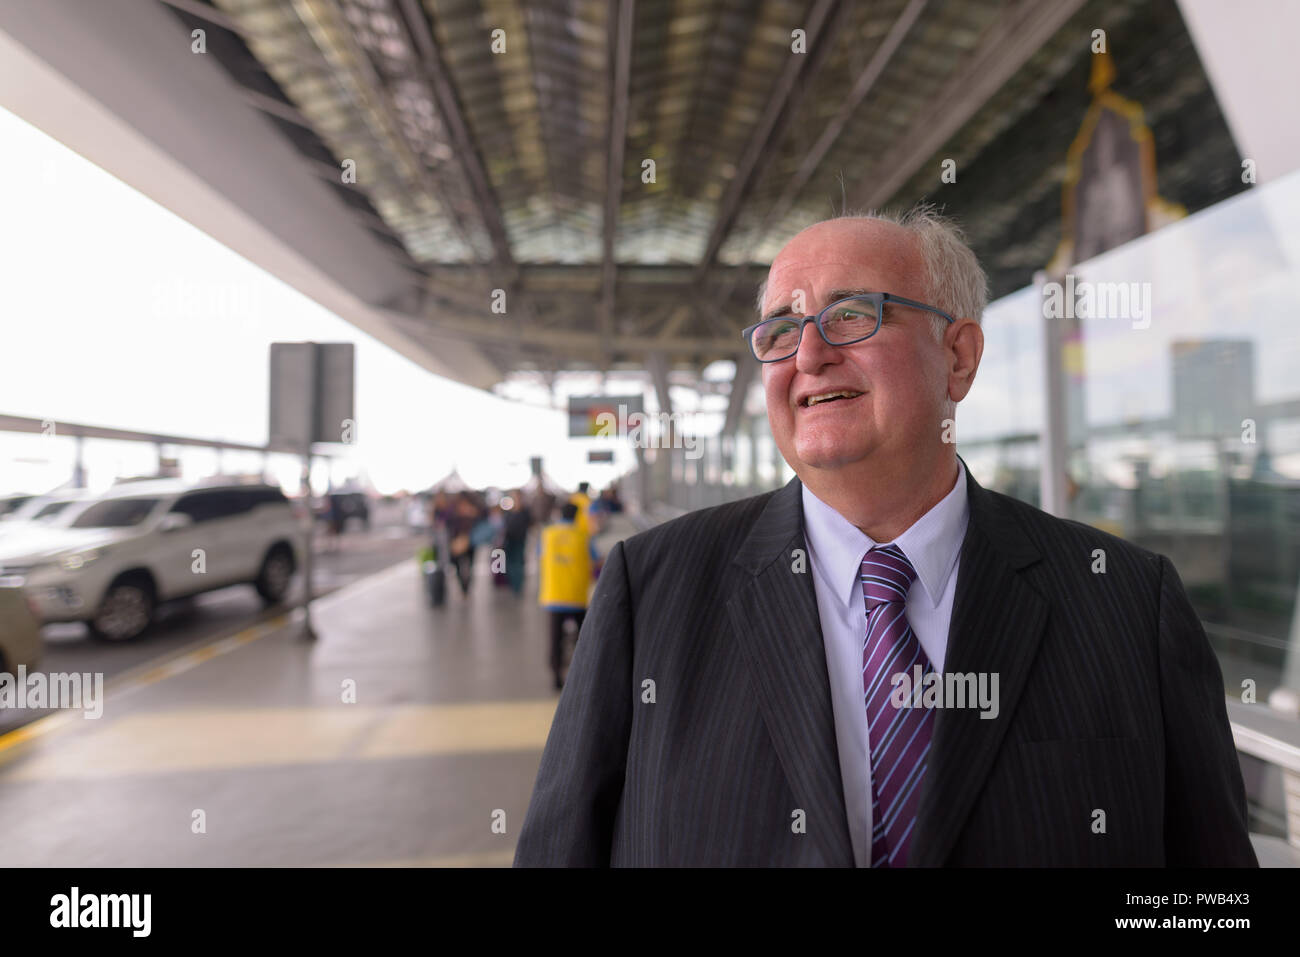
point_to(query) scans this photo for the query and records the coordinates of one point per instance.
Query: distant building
(1214, 387)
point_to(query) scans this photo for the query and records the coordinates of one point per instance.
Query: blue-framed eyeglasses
(842, 323)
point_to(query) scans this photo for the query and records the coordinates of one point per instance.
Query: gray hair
(955, 280)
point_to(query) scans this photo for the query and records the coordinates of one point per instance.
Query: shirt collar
(931, 544)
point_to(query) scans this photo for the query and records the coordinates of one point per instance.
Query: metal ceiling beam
(776, 116)
(657, 365)
(472, 311)
(269, 104)
(641, 376)
(661, 306)
(371, 220)
(434, 71)
(862, 85)
(745, 368)
(571, 341)
(226, 21)
(537, 276)
(1003, 50)
(377, 98)
(648, 319)
(286, 112)
(675, 321)
(620, 50)
(474, 303)
(654, 293)
(206, 12)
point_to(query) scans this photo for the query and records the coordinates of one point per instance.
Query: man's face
(900, 373)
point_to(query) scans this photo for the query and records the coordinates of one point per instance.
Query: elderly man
(882, 663)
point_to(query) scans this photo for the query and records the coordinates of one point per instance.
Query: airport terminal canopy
(492, 186)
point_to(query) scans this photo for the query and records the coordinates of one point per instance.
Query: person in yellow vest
(581, 499)
(567, 559)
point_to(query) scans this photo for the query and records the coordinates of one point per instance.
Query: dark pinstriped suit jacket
(1111, 700)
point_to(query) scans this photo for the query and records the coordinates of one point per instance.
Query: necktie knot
(886, 576)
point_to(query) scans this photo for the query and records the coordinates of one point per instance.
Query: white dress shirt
(836, 548)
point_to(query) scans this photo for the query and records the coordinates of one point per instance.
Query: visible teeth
(827, 396)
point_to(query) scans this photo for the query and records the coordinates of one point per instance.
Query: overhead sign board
(312, 386)
(596, 416)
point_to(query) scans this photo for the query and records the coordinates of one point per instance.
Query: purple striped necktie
(899, 737)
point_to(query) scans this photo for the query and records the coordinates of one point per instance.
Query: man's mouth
(822, 397)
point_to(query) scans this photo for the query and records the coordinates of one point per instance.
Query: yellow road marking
(133, 680)
(154, 742)
(502, 858)
(32, 731)
(476, 726)
(442, 729)
(158, 669)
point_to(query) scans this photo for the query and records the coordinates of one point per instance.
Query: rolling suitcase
(435, 578)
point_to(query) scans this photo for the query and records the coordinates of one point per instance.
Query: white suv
(147, 542)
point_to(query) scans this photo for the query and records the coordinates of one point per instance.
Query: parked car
(54, 509)
(149, 542)
(349, 505)
(8, 503)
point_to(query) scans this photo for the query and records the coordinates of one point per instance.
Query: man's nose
(814, 352)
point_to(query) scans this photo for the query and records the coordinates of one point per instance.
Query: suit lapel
(997, 624)
(774, 616)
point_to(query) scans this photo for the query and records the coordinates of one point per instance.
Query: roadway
(203, 619)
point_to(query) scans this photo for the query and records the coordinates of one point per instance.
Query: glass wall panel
(998, 423)
(1186, 435)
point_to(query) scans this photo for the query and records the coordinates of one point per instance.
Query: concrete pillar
(643, 482)
(1052, 443)
(79, 466)
(751, 455)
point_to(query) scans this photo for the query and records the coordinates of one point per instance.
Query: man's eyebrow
(835, 295)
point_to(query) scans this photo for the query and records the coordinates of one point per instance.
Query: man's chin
(827, 456)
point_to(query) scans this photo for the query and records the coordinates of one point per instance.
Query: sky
(116, 312)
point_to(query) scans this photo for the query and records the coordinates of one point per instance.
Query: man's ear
(964, 341)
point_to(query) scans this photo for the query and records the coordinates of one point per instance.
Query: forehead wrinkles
(818, 276)
(825, 259)
(811, 263)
